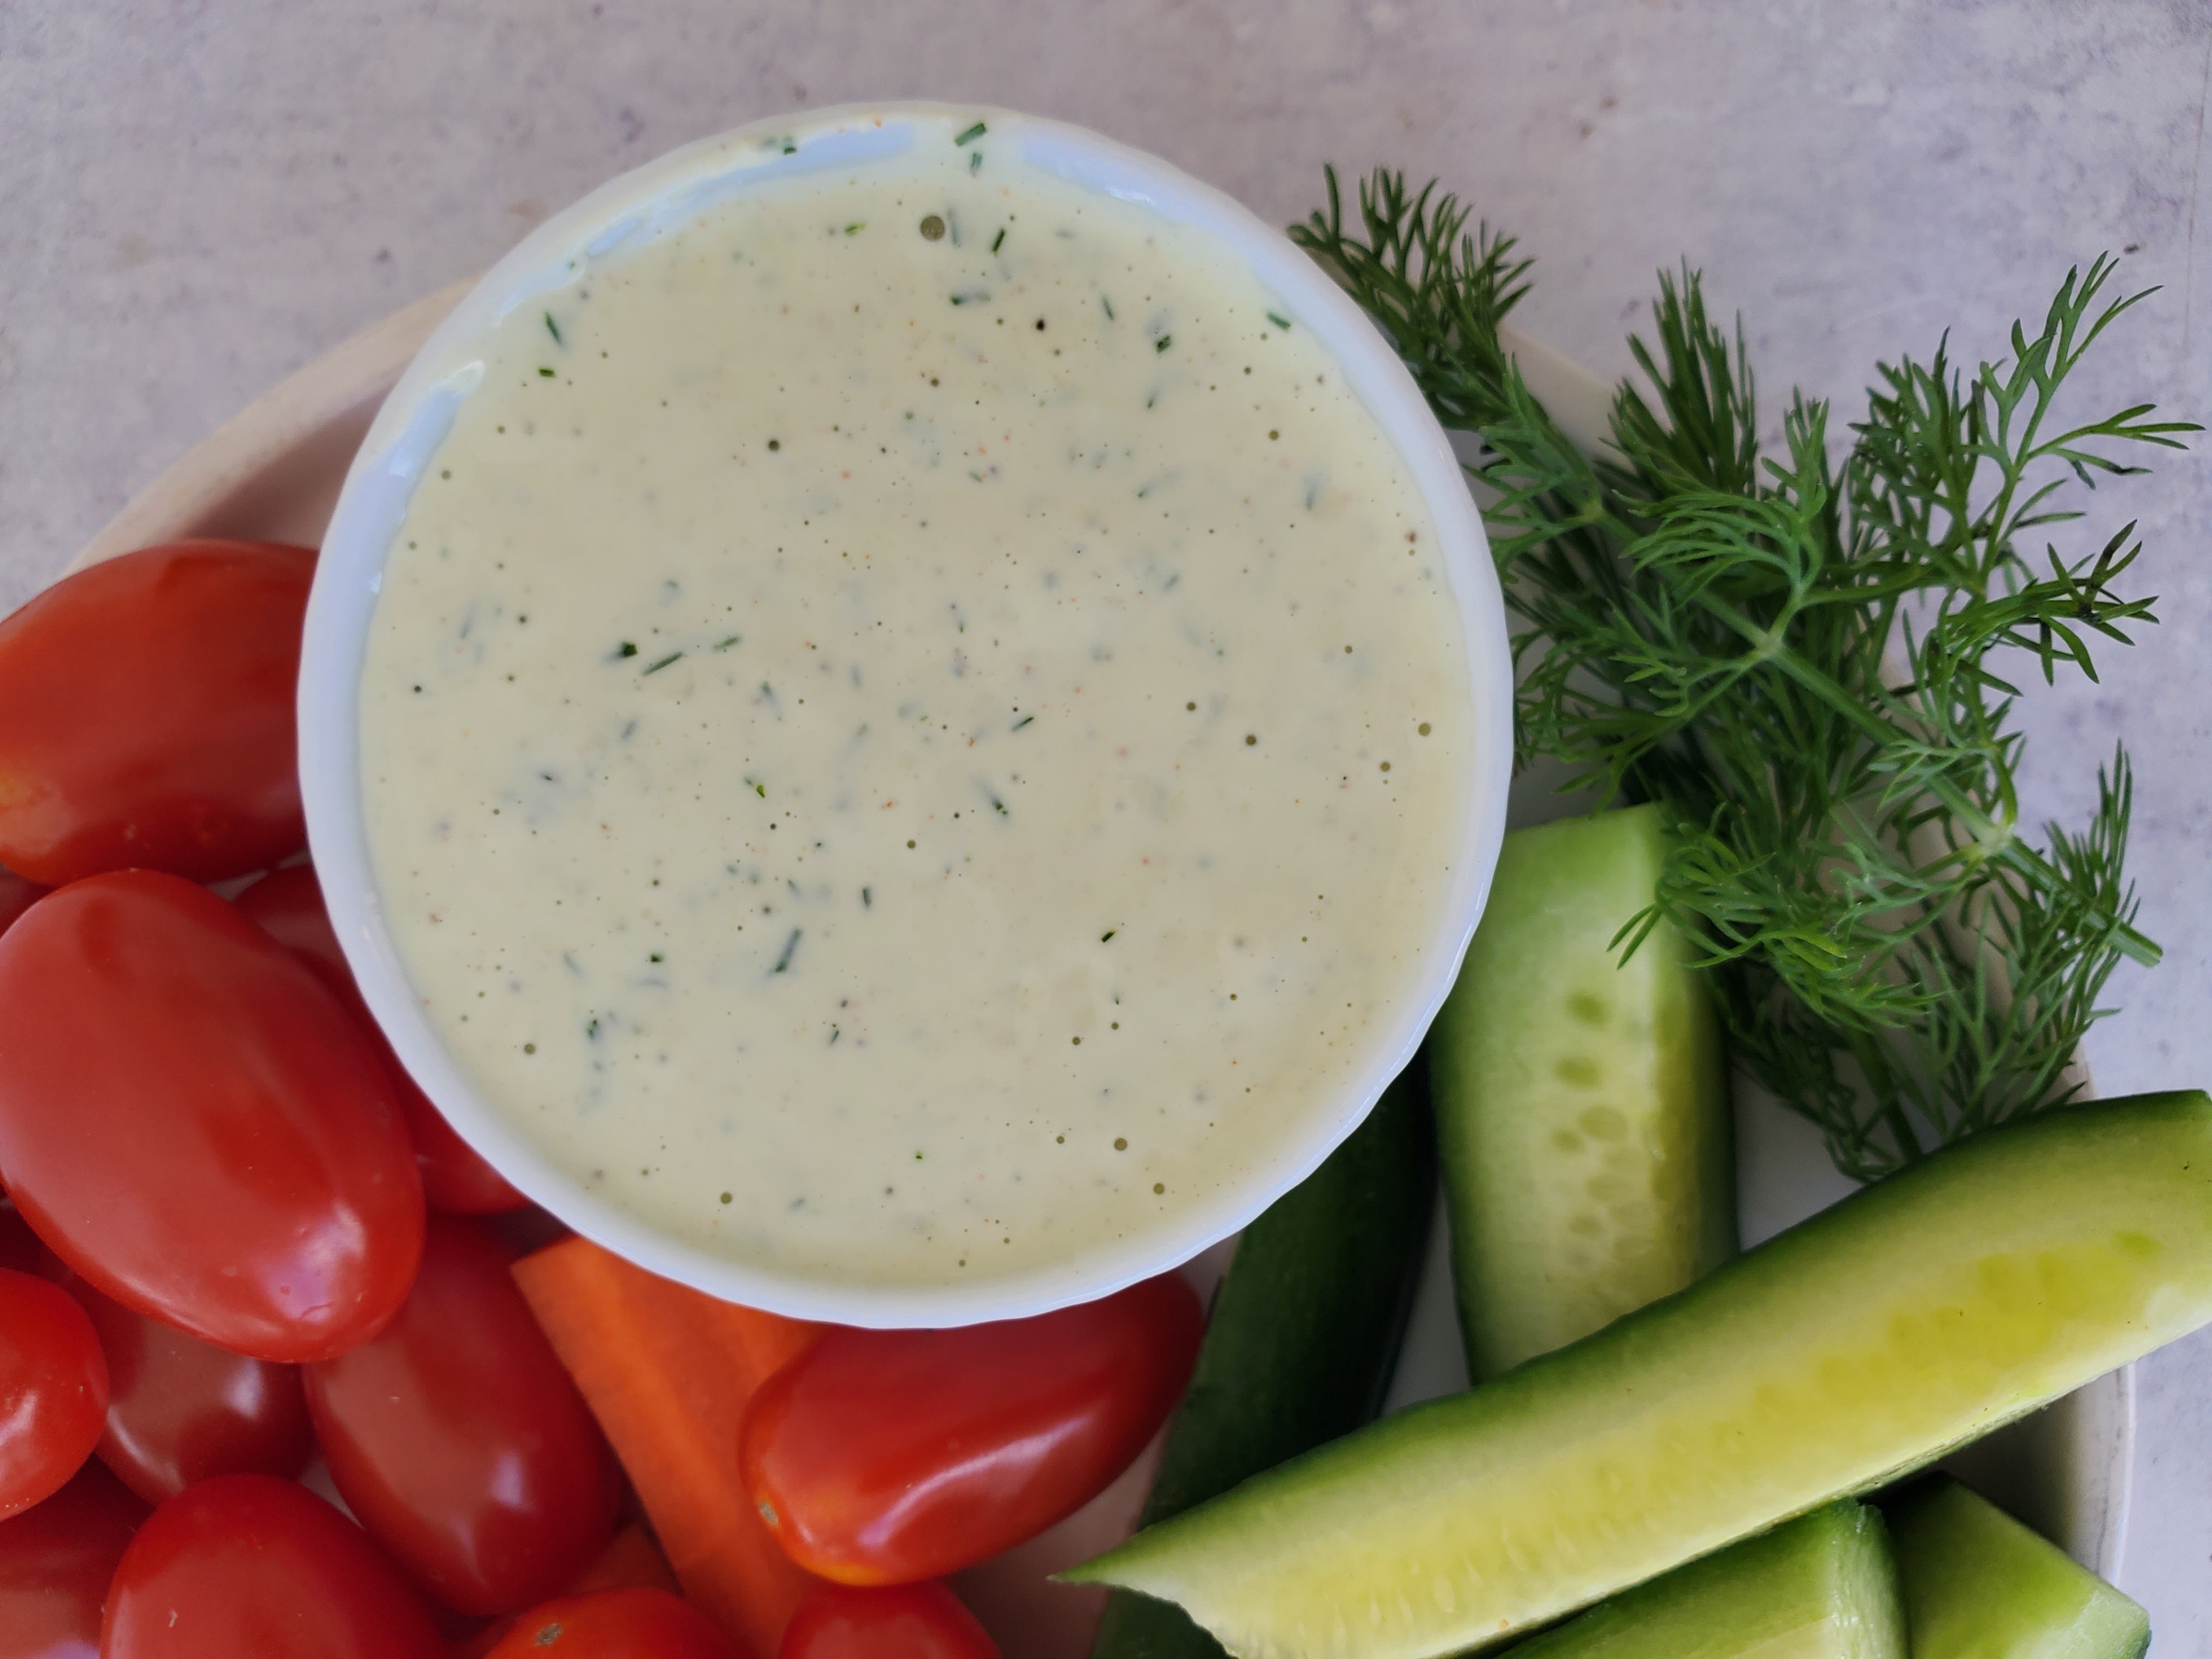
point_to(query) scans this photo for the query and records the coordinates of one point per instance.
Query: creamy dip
(914, 726)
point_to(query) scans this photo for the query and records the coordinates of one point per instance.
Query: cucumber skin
(1771, 1596)
(1979, 1585)
(1303, 1339)
(1524, 1280)
(2084, 1239)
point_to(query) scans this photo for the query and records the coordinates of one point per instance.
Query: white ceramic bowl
(413, 422)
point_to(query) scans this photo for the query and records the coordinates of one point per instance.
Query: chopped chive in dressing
(981, 500)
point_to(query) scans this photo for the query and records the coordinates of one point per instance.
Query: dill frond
(1707, 626)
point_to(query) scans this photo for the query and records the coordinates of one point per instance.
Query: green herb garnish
(654, 668)
(1279, 322)
(971, 134)
(1705, 626)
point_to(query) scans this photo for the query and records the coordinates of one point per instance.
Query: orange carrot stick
(668, 1371)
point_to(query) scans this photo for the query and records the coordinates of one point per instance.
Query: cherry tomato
(618, 1624)
(56, 1560)
(899, 1621)
(146, 715)
(181, 1410)
(288, 904)
(880, 1457)
(53, 1389)
(459, 1441)
(16, 896)
(193, 1123)
(246, 1565)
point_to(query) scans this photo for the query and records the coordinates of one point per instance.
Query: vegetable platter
(273, 473)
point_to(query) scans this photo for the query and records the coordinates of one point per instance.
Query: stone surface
(196, 197)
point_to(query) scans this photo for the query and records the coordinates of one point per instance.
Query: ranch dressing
(913, 724)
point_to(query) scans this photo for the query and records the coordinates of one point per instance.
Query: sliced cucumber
(1979, 1585)
(1911, 1318)
(1823, 1586)
(1302, 1338)
(1582, 1101)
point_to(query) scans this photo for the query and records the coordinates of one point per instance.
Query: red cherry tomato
(56, 1560)
(459, 1441)
(146, 715)
(245, 1564)
(16, 896)
(53, 1389)
(898, 1621)
(181, 1410)
(880, 1457)
(619, 1624)
(191, 1121)
(288, 904)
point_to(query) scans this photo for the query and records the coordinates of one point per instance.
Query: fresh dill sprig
(1709, 627)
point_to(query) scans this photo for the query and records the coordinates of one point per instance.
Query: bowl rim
(405, 434)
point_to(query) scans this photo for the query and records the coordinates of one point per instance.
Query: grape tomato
(193, 1123)
(146, 715)
(247, 1564)
(899, 1621)
(53, 1389)
(884, 1456)
(459, 1440)
(617, 1623)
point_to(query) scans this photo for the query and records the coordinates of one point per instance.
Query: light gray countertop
(197, 197)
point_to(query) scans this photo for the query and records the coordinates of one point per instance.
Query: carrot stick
(668, 1371)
